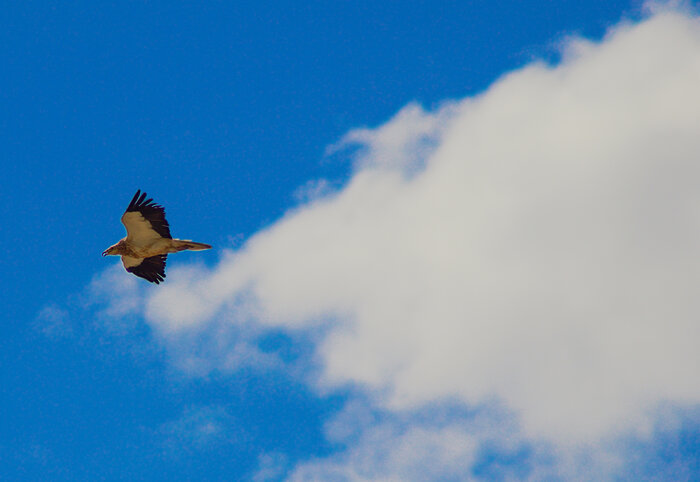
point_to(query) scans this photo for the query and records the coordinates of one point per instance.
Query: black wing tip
(139, 201)
(134, 199)
(156, 279)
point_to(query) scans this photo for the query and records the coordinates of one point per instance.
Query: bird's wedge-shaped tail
(186, 244)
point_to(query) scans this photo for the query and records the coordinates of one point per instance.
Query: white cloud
(440, 443)
(117, 296)
(198, 428)
(53, 322)
(388, 451)
(387, 455)
(538, 244)
(270, 467)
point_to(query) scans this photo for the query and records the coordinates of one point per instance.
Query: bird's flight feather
(144, 220)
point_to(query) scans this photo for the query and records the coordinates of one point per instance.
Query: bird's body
(148, 241)
(155, 247)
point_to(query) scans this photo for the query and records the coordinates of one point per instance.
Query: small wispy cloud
(402, 144)
(271, 467)
(53, 321)
(314, 190)
(199, 428)
(114, 299)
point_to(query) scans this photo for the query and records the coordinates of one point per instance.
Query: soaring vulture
(148, 240)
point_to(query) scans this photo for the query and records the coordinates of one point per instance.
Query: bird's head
(112, 250)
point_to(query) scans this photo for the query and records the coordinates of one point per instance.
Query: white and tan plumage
(148, 240)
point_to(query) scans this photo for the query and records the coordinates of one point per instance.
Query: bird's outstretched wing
(151, 269)
(144, 220)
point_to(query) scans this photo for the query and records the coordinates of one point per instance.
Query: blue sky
(361, 170)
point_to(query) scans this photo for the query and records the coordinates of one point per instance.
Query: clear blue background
(219, 110)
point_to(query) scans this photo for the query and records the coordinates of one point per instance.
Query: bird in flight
(148, 240)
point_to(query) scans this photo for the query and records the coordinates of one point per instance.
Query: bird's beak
(104, 253)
